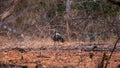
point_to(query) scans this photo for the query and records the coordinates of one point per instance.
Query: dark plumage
(94, 47)
(57, 37)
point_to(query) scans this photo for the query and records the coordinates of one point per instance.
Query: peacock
(57, 37)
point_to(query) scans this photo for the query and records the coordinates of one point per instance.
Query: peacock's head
(53, 32)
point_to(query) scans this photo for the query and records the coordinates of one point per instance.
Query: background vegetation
(89, 20)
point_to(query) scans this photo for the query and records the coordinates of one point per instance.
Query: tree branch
(112, 52)
(8, 12)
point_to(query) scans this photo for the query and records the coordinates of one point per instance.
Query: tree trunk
(67, 19)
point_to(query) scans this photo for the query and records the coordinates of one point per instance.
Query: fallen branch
(112, 52)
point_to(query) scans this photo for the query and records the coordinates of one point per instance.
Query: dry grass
(29, 42)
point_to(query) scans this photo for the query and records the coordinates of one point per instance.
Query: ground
(37, 53)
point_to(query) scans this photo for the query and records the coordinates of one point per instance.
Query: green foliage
(88, 5)
(51, 12)
(110, 9)
(60, 7)
(91, 6)
(97, 6)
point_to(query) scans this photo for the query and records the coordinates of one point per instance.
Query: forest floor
(37, 53)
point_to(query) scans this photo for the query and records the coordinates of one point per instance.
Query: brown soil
(41, 54)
